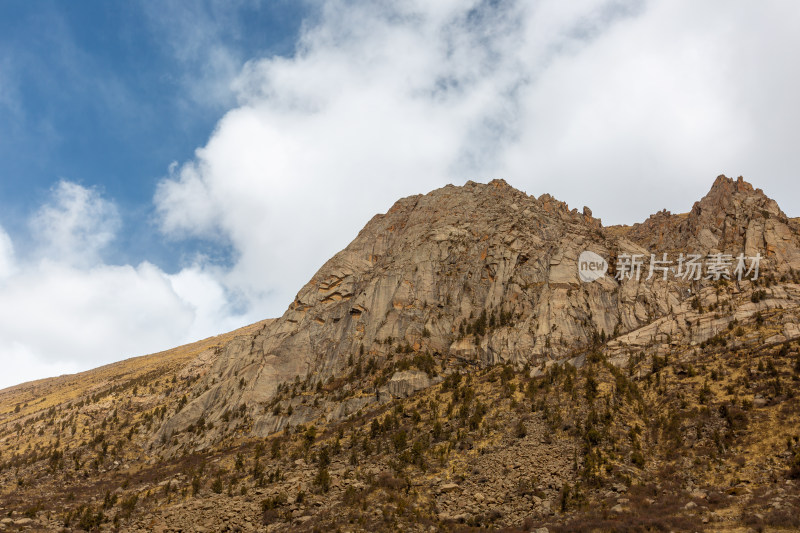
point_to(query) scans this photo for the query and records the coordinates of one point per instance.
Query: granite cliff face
(483, 274)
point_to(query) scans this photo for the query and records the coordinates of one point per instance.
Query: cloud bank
(63, 309)
(626, 106)
(629, 107)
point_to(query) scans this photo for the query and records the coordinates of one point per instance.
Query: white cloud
(75, 225)
(20, 364)
(325, 140)
(90, 315)
(624, 106)
(628, 107)
(213, 308)
(63, 309)
(657, 106)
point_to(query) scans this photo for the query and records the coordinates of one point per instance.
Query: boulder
(407, 382)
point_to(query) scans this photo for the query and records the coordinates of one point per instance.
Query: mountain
(733, 216)
(452, 368)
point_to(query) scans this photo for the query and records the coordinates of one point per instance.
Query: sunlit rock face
(484, 274)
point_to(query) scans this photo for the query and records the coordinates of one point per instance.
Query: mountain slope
(422, 276)
(449, 369)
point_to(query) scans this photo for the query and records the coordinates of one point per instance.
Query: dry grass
(34, 396)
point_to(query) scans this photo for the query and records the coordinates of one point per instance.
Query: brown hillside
(450, 371)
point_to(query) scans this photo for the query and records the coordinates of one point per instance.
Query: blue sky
(108, 94)
(173, 170)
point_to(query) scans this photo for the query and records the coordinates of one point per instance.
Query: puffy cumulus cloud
(62, 309)
(625, 106)
(67, 313)
(75, 225)
(213, 308)
(380, 101)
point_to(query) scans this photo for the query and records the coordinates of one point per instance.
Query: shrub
(637, 459)
(351, 496)
(323, 480)
(89, 520)
(451, 382)
(520, 431)
(437, 430)
(270, 508)
(196, 484)
(705, 393)
(592, 436)
(127, 505)
(110, 499)
(591, 388)
(400, 440)
(273, 502)
(310, 435)
(324, 458)
(275, 450)
(564, 497)
(258, 451)
(758, 296)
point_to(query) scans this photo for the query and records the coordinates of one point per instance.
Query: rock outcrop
(733, 217)
(405, 383)
(484, 274)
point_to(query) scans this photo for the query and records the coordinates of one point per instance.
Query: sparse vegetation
(692, 419)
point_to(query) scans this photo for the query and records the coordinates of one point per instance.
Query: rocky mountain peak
(735, 198)
(478, 274)
(734, 217)
(418, 280)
